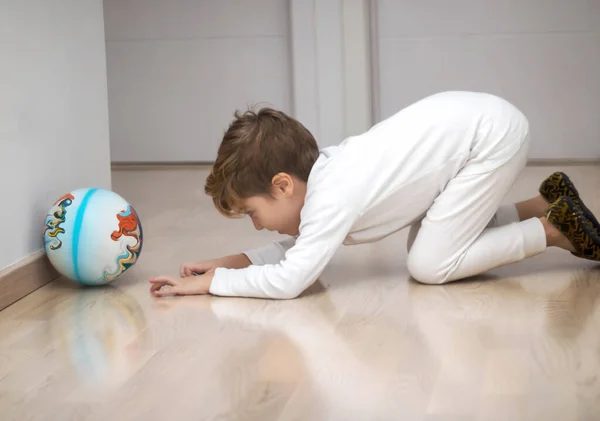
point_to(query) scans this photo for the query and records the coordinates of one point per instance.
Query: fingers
(184, 271)
(170, 291)
(156, 286)
(176, 287)
(161, 281)
(188, 269)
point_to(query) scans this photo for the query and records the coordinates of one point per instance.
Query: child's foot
(577, 234)
(558, 185)
(555, 238)
(535, 207)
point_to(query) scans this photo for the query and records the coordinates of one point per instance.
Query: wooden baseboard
(24, 277)
(563, 162)
(148, 166)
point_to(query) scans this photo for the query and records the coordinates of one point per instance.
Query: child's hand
(192, 269)
(238, 261)
(196, 285)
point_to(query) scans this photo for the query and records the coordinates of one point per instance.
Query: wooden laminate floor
(364, 343)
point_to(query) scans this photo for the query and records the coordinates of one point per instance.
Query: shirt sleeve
(321, 233)
(271, 253)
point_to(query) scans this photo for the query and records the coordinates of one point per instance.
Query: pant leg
(506, 214)
(461, 235)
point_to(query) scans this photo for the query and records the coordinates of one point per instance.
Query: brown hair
(256, 147)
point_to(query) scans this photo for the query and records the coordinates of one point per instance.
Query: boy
(441, 166)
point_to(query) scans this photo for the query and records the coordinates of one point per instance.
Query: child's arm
(271, 253)
(321, 233)
(196, 278)
(268, 254)
(234, 261)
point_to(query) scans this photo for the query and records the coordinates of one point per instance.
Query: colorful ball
(92, 236)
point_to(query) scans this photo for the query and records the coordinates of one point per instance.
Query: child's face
(281, 211)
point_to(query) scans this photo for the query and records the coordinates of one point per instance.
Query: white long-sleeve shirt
(379, 182)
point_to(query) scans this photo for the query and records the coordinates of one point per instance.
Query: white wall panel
(178, 70)
(331, 67)
(542, 55)
(53, 113)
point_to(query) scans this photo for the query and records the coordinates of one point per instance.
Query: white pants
(466, 232)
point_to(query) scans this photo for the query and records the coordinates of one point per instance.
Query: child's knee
(423, 267)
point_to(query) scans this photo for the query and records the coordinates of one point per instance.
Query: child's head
(262, 167)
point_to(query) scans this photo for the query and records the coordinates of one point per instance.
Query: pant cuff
(534, 237)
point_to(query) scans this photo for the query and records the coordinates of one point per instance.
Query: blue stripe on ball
(77, 230)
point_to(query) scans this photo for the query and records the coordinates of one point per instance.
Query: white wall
(53, 112)
(178, 69)
(543, 55)
(331, 67)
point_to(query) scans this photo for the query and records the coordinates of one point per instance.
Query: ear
(282, 184)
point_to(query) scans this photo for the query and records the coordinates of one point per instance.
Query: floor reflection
(102, 331)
